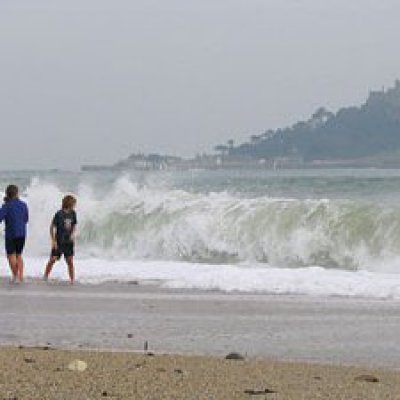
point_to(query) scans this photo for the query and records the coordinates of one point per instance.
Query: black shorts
(63, 248)
(15, 246)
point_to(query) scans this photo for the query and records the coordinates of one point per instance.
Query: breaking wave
(130, 221)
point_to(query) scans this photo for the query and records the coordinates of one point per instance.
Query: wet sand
(324, 330)
(313, 338)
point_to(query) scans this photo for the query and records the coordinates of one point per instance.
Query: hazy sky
(91, 81)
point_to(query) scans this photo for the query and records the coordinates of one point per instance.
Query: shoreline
(34, 373)
(122, 317)
(228, 278)
(294, 347)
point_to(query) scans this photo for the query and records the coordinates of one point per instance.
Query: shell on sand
(77, 365)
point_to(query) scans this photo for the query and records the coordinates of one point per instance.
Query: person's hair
(11, 192)
(68, 202)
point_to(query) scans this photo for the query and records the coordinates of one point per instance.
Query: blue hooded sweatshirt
(15, 213)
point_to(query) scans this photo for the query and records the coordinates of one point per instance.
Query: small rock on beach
(77, 365)
(234, 356)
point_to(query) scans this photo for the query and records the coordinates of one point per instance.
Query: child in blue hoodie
(15, 214)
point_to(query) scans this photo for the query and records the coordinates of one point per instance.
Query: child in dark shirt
(15, 214)
(62, 233)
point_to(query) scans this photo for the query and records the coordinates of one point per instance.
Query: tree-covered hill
(351, 133)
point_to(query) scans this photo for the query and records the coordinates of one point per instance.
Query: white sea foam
(131, 221)
(223, 241)
(315, 281)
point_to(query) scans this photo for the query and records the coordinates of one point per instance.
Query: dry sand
(36, 373)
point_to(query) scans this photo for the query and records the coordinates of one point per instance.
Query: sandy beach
(117, 316)
(323, 347)
(44, 374)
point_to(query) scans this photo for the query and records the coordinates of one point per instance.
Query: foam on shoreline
(244, 278)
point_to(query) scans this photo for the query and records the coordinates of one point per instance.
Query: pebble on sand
(366, 378)
(234, 356)
(77, 365)
(255, 392)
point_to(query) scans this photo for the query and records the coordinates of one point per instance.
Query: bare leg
(71, 272)
(12, 261)
(20, 267)
(49, 267)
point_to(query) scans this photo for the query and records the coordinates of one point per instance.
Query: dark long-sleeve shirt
(15, 214)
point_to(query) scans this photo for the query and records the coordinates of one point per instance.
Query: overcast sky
(91, 81)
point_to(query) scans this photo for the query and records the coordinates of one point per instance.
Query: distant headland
(364, 136)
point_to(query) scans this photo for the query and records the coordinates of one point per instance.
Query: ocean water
(315, 232)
